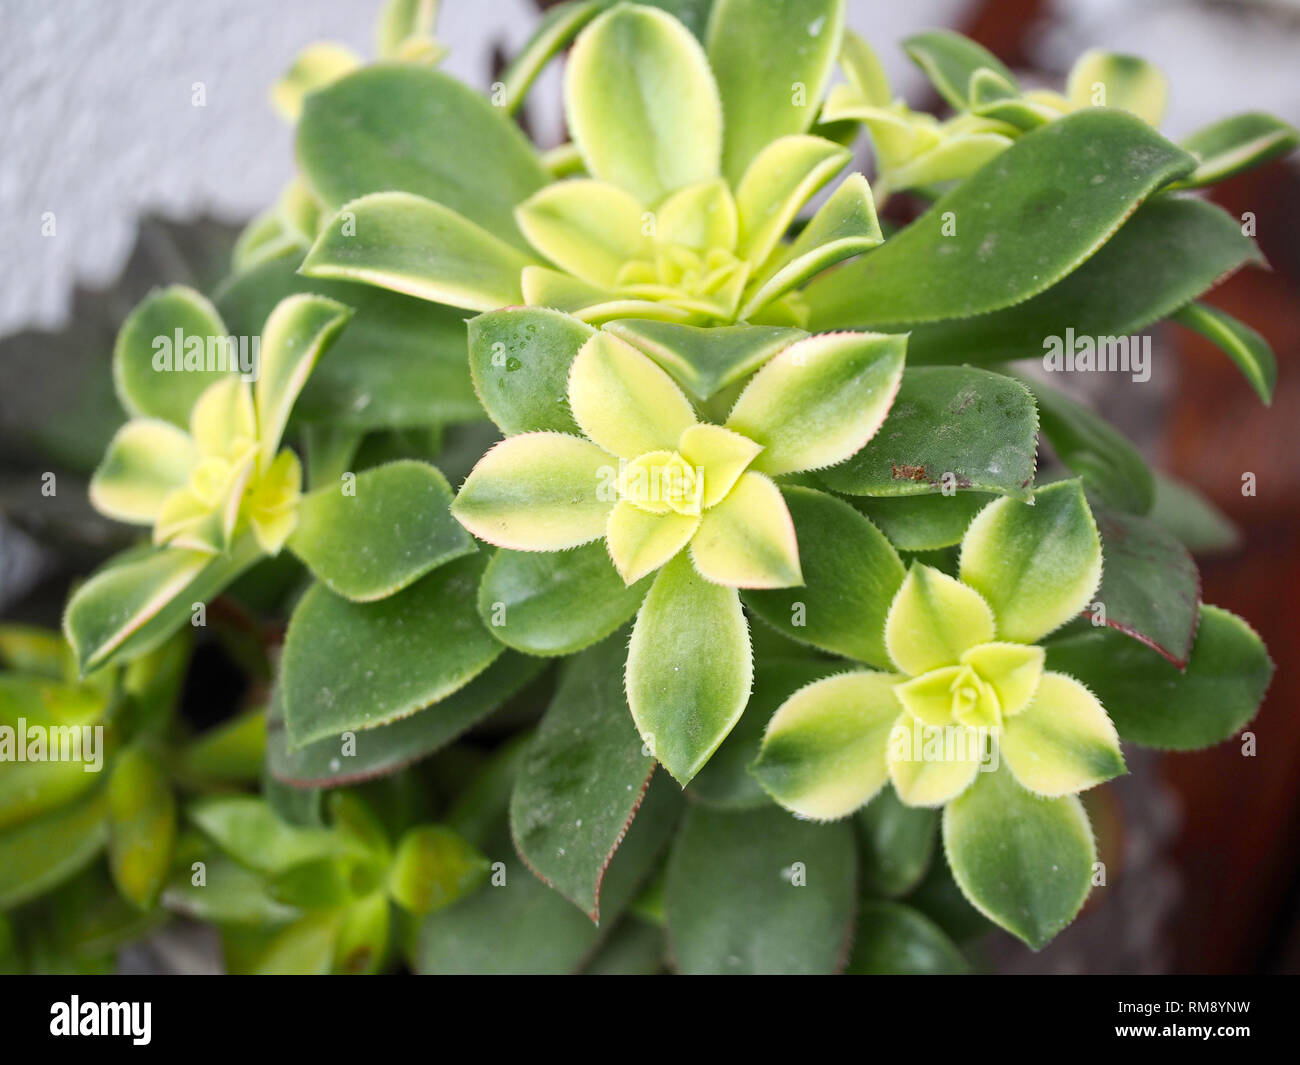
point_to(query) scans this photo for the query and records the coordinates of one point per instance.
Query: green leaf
(1024, 862)
(1235, 144)
(379, 751)
(392, 529)
(773, 62)
(587, 228)
(150, 356)
(1247, 348)
(820, 400)
(897, 843)
(297, 333)
(1037, 566)
(634, 948)
(843, 226)
(538, 492)
(582, 779)
(142, 826)
(420, 645)
(933, 620)
(923, 523)
(988, 443)
(776, 185)
(1192, 519)
(557, 28)
(146, 461)
(399, 363)
(1155, 704)
(688, 668)
(896, 940)
(726, 781)
(418, 247)
(1113, 470)
(556, 603)
(140, 598)
(823, 753)
(248, 830)
(760, 892)
(850, 576)
(950, 61)
(519, 925)
(313, 68)
(45, 851)
(1150, 587)
(229, 894)
(1107, 79)
(433, 868)
(1023, 222)
(641, 103)
(407, 128)
(231, 752)
(1169, 252)
(705, 359)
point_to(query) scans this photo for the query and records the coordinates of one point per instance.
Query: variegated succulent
(756, 473)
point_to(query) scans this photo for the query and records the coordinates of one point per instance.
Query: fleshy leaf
(1154, 703)
(820, 400)
(851, 574)
(1037, 566)
(896, 842)
(160, 359)
(724, 454)
(1011, 669)
(1105, 79)
(748, 540)
(138, 600)
(1245, 347)
(313, 68)
(422, 644)
(42, 853)
(773, 62)
(1077, 178)
(1112, 469)
(1150, 588)
(1234, 144)
(582, 779)
(933, 620)
(434, 867)
(558, 26)
(989, 440)
(519, 358)
(1191, 518)
(688, 667)
(923, 523)
(700, 216)
(555, 603)
(1169, 252)
(400, 362)
(705, 360)
(146, 461)
(864, 70)
(823, 754)
(896, 940)
(1062, 742)
(588, 228)
(731, 903)
(623, 401)
(142, 826)
(1024, 862)
(538, 492)
(630, 130)
(407, 128)
(640, 542)
(298, 332)
(380, 751)
(777, 183)
(844, 225)
(950, 60)
(414, 246)
(391, 530)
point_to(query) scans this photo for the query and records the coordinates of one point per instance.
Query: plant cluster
(714, 481)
